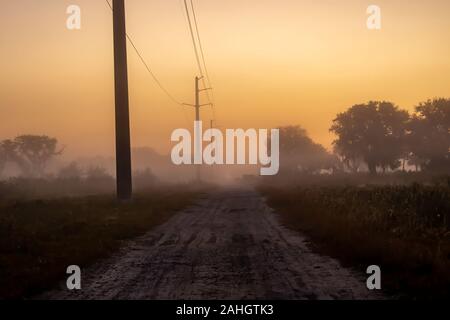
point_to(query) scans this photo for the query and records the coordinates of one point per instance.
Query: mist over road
(229, 245)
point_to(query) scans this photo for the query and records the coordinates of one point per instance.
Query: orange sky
(272, 63)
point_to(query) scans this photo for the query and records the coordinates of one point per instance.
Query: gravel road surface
(229, 245)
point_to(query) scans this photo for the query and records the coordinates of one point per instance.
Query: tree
(3, 159)
(70, 172)
(429, 135)
(9, 153)
(299, 153)
(99, 180)
(97, 174)
(374, 133)
(144, 179)
(35, 152)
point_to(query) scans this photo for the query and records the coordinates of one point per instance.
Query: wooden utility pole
(123, 145)
(197, 99)
(197, 106)
(198, 141)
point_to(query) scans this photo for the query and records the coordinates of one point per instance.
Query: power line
(200, 43)
(204, 61)
(149, 70)
(152, 74)
(198, 57)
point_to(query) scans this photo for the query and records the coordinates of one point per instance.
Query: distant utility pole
(123, 145)
(211, 126)
(197, 106)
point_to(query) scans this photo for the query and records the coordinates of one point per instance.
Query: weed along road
(229, 245)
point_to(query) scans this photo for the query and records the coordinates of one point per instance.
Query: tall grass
(404, 229)
(40, 238)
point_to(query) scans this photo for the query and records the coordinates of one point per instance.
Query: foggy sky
(271, 62)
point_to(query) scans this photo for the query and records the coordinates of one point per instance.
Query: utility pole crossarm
(195, 106)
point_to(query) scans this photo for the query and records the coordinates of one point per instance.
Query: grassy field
(40, 238)
(403, 229)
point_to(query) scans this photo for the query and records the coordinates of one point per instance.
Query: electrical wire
(194, 43)
(200, 43)
(147, 67)
(201, 66)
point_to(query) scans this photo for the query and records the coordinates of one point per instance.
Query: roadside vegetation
(40, 238)
(382, 196)
(403, 229)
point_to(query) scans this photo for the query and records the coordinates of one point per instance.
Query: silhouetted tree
(35, 152)
(98, 180)
(429, 135)
(3, 159)
(299, 153)
(71, 171)
(374, 133)
(144, 179)
(9, 153)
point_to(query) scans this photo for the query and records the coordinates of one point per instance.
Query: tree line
(382, 136)
(376, 136)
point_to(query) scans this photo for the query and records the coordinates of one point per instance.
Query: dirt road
(228, 246)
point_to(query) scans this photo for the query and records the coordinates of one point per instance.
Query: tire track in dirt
(229, 245)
